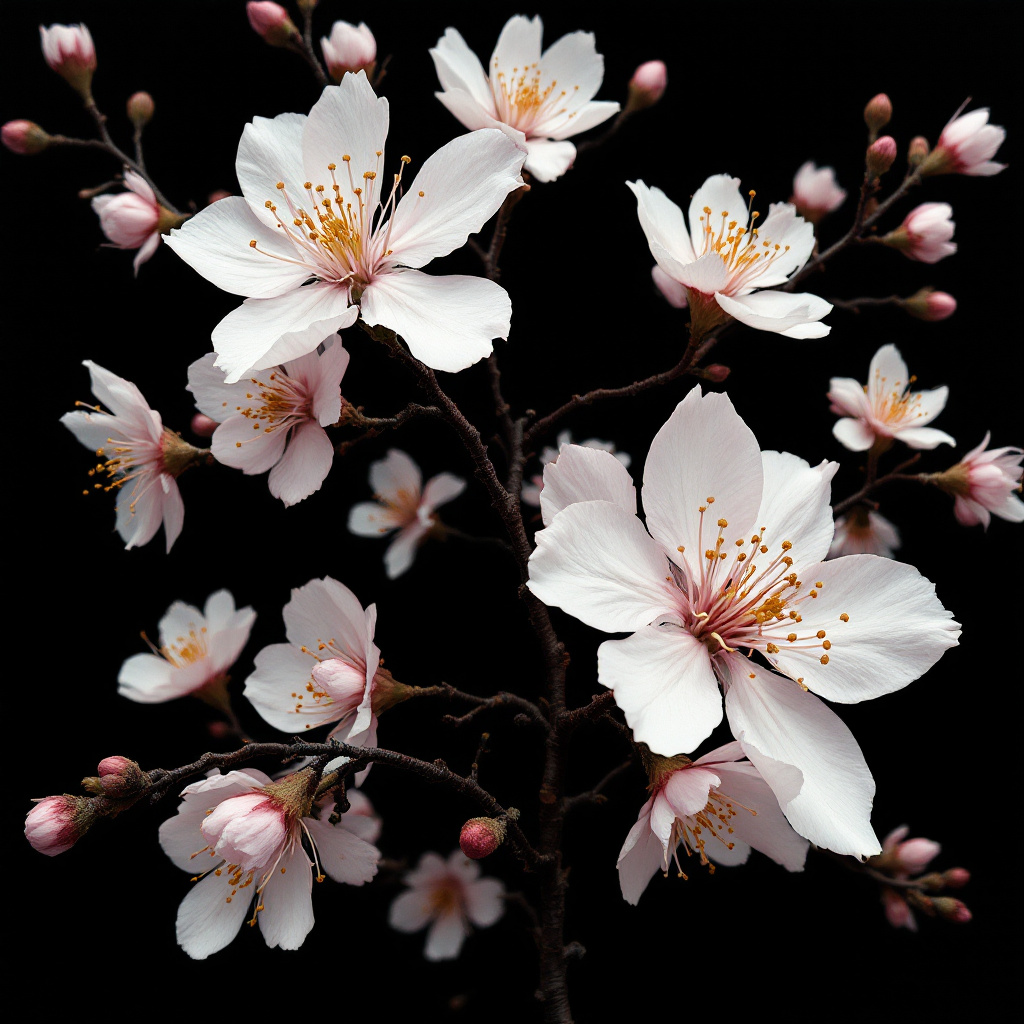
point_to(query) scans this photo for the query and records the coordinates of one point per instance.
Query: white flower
(142, 458)
(733, 564)
(816, 192)
(886, 407)
(925, 233)
(538, 99)
(717, 808)
(276, 421)
(532, 491)
(985, 483)
(240, 835)
(864, 532)
(196, 650)
(321, 237)
(966, 146)
(402, 503)
(724, 256)
(449, 896)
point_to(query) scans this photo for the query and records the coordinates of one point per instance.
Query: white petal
(206, 921)
(721, 195)
(887, 373)
(236, 444)
(213, 397)
(847, 396)
(518, 44)
(270, 151)
(304, 466)
(484, 901)
(795, 235)
(287, 914)
(793, 315)
(326, 609)
(370, 519)
(585, 474)
(473, 113)
(401, 552)
(547, 160)
(583, 119)
(459, 68)
(148, 679)
(445, 938)
(325, 382)
(396, 477)
(662, 223)
(281, 670)
(440, 490)
(410, 911)
(925, 438)
(641, 856)
(343, 855)
(853, 434)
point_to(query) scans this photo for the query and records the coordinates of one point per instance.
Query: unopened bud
(877, 114)
(203, 426)
(647, 85)
(716, 372)
(271, 23)
(120, 776)
(480, 837)
(140, 108)
(215, 197)
(349, 48)
(951, 909)
(69, 51)
(956, 878)
(56, 823)
(928, 304)
(881, 155)
(917, 150)
(24, 137)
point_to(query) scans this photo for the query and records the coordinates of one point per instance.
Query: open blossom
(197, 648)
(726, 261)
(275, 420)
(322, 237)
(925, 233)
(864, 532)
(985, 482)
(401, 503)
(885, 407)
(241, 837)
(731, 565)
(69, 51)
(539, 99)
(134, 219)
(716, 808)
(816, 192)
(532, 491)
(142, 458)
(966, 146)
(449, 896)
(349, 48)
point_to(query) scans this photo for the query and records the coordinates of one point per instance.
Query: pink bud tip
(956, 878)
(952, 910)
(480, 837)
(115, 765)
(203, 426)
(647, 85)
(214, 197)
(917, 150)
(928, 304)
(270, 21)
(881, 155)
(56, 823)
(24, 137)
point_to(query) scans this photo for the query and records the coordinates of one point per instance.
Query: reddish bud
(917, 150)
(881, 155)
(119, 776)
(928, 304)
(140, 108)
(716, 372)
(56, 823)
(215, 197)
(647, 85)
(24, 137)
(956, 878)
(951, 909)
(203, 426)
(878, 113)
(349, 48)
(480, 837)
(271, 23)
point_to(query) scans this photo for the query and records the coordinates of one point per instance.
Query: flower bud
(956, 878)
(928, 304)
(881, 155)
(349, 48)
(24, 137)
(647, 85)
(480, 837)
(69, 51)
(271, 23)
(925, 234)
(120, 776)
(203, 426)
(716, 372)
(917, 150)
(140, 109)
(56, 823)
(877, 114)
(216, 196)
(951, 909)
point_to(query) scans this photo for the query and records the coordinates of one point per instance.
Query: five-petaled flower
(324, 235)
(985, 482)
(732, 565)
(539, 99)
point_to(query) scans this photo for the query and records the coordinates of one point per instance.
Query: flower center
(445, 898)
(695, 832)
(281, 403)
(523, 100)
(896, 405)
(185, 650)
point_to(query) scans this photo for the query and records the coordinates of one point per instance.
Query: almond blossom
(142, 458)
(532, 491)
(816, 192)
(275, 421)
(985, 482)
(241, 837)
(197, 648)
(732, 565)
(402, 503)
(727, 262)
(716, 808)
(885, 409)
(538, 99)
(449, 896)
(864, 532)
(925, 233)
(320, 236)
(134, 219)
(966, 146)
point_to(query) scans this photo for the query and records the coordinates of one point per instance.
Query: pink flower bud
(120, 776)
(917, 150)
(881, 155)
(878, 113)
(69, 51)
(647, 85)
(349, 48)
(914, 855)
(140, 108)
(951, 909)
(816, 192)
(897, 910)
(271, 23)
(716, 372)
(24, 137)
(480, 837)
(956, 878)
(214, 197)
(966, 146)
(56, 823)
(925, 233)
(203, 426)
(928, 304)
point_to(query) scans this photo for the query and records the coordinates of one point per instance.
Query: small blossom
(56, 823)
(816, 192)
(69, 51)
(134, 219)
(142, 458)
(647, 85)
(532, 491)
(985, 482)
(402, 503)
(966, 146)
(885, 408)
(864, 532)
(24, 137)
(275, 420)
(538, 99)
(449, 896)
(197, 648)
(929, 305)
(925, 233)
(271, 23)
(349, 48)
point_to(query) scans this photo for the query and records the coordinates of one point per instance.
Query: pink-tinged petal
(267, 332)
(348, 120)
(583, 119)
(120, 396)
(673, 291)
(325, 383)
(707, 274)
(227, 644)
(207, 922)
(806, 755)
(146, 250)
(641, 856)
(795, 235)
(304, 465)
(853, 434)
(445, 937)
(178, 621)
(448, 323)
(797, 502)
(371, 519)
(287, 915)
(847, 396)
(925, 438)
(663, 682)
(440, 490)
(396, 478)
(173, 513)
(518, 45)
(281, 670)
(236, 444)
(215, 243)
(344, 856)
(326, 609)
(598, 563)
(574, 63)
(662, 223)
(458, 189)
(459, 68)
(686, 792)
(971, 513)
(721, 195)
(147, 679)
(547, 160)
(484, 901)
(213, 397)
(270, 151)
(411, 910)
(585, 474)
(401, 552)
(896, 629)
(138, 523)
(472, 113)
(703, 451)
(91, 429)
(793, 315)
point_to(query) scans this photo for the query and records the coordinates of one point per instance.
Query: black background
(754, 91)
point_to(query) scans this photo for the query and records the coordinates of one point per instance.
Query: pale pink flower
(133, 219)
(885, 408)
(908, 856)
(142, 458)
(985, 482)
(270, 22)
(728, 263)
(449, 896)
(732, 564)
(532, 491)
(925, 233)
(349, 48)
(69, 51)
(275, 421)
(310, 266)
(197, 648)
(966, 146)
(241, 836)
(716, 808)
(56, 823)
(864, 532)
(401, 503)
(538, 99)
(816, 192)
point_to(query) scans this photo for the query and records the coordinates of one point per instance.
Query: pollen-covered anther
(844, 617)
(820, 634)
(824, 659)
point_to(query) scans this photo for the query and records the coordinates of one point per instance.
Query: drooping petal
(856, 435)
(663, 224)
(925, 438)
(585, 474)
(207, 922)
(587, 116)
(401, 552)
(343, 855)
(642, 855)
(148, 679)
(547, 160)
(325, 383)
(445, 937)
(287, 915)
(791, 314)
(304, 465)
